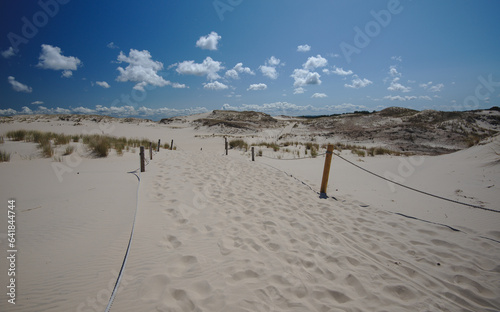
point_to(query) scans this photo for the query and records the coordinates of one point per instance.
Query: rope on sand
(416, 190)
(137, 173)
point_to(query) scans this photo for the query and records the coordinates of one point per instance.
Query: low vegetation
(4, 156)
(239, 144)
(99, 145)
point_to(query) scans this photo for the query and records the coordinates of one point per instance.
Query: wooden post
(150, 150)
(225, 144)
(143, 167)
(326, 170)
(158, 147)
(172, 145)
(253, 154)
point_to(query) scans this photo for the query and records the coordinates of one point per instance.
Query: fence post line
(253, 154)
(158, 147)
(172, 145)
(326, 170)
(141, 154)
(150, 150)
(225, 138)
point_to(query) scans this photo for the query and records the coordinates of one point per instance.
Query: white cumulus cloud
(209, 42)
(257, 86)
(314, 62)
(8, 53)
(397, 58)
(304, 77)
(269, 68)
(37, 103)
(436, 88)
(215, 86)
(393, 71)
(358, 83)
(112, 45)
(103, 84)
(269, 71)
(209, 67)
(400, 98)
(319, 95)
(396, 86)
(52, 58)
(303, 48)
(17, 86)
(432, 88)
(273, 61)
(299, 90)
(341, 71)
(425, 85)
(141, 68)
(238, 69)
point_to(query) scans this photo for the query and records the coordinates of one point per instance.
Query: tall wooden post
(172, 145)
(158, 147)
(141, 154)
(253, 154)
(326, 170)
(226, 144)
(150, 150)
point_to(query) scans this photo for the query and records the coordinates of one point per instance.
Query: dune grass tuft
(16, 135)
(69, 150)
(47, 150)
(98, 144)
(4, 156)
(239, 143)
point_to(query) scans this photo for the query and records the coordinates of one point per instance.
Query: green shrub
(4, 156)
(372, 151)
(314, 152)
(61, 139)
(99, 145)
(472, 139)
(17, 135)
(47, 150)
(274, 146)
(360, 153)
(240, 144)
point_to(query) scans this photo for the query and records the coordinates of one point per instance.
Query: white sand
(217, 233)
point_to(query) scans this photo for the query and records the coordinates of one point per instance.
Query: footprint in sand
(153, 288)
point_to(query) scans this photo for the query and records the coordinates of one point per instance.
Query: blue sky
(157, 59)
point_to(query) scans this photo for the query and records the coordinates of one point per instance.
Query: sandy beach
(223, 233)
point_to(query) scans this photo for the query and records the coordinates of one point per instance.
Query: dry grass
(16, 135)
(69, 150)
(239, 144)
(4, 156)
(98, 144)
(274, 146)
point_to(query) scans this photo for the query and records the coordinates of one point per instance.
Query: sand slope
(215, 233)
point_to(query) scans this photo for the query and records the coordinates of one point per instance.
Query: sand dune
(222, 233)
(222, 241)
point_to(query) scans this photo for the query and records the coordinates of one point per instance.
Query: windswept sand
(222, 233)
